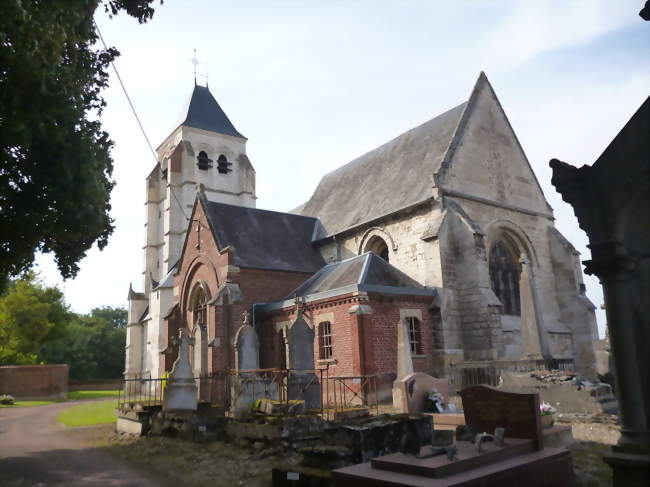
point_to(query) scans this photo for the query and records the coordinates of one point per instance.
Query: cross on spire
(195, 62)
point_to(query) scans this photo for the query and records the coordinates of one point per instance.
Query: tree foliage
(36, 327)
(93, 346)
(55, 163)
(30, 315)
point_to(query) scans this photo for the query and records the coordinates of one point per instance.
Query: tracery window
(223, 165)
(415, 335)
(504, 277)
(325, 340)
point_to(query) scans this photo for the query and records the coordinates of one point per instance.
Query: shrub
(7, 400)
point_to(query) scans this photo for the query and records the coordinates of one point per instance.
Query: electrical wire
(135, 114)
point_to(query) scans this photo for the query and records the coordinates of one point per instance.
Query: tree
(55, 163)
(30, 315)
(93, 346)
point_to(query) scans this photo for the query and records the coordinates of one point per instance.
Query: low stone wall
(34, 381)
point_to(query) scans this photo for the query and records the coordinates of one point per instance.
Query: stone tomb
(521, 460)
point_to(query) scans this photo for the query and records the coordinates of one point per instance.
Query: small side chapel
(442, 234)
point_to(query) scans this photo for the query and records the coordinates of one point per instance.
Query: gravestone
(404, 364)
(247, 387)
(247, 346)
(487, 408)
(301, 345)
(181, 393)
(302, 383)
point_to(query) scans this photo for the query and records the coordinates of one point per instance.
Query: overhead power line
(135, 114)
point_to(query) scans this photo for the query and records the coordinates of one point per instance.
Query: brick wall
(361, 344)
(34, 381)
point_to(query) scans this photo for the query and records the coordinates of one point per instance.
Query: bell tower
(205, 149)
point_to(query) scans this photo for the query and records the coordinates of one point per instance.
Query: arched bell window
(504, 276)
(203, 161)
(378, 246)
(223, 165)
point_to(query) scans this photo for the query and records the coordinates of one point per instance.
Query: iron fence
(147, 392)
(323, 394)
(467, 374)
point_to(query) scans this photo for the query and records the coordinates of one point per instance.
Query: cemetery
(345, 435)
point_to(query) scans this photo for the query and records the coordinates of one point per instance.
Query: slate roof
(394, 176)
(202, 111)
(366, 272)
(265, 239)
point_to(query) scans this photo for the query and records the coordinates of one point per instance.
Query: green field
(91, 413)
(75, 395)
(72, 396)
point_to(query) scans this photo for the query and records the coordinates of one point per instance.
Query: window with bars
(325, 340)
(203, 161)
(415, 335)
(223, 165)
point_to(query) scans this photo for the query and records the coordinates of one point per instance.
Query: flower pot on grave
(547, 420)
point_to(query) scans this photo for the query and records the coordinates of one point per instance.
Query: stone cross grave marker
(181, 392)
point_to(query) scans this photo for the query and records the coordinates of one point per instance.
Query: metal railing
(323, 394)
(467, 374)
(147, 392)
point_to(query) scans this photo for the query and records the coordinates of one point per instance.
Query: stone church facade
(444, 231)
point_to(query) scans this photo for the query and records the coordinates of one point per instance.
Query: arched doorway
(378, 246)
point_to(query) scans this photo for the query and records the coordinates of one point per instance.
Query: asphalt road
(38, 451)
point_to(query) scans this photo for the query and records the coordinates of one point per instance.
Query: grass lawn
(72, 396)
(75, 395)
(100, 412)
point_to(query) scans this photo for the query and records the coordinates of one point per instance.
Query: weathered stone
(181, 391)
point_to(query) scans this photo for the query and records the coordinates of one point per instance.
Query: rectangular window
(415, 336)
(325, 340)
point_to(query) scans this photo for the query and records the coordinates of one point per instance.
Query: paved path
(36, 450)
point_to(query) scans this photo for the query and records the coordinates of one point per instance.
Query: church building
(442, 234)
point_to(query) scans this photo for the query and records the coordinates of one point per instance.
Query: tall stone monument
(404, 364)
(181, 391)
(611, 200)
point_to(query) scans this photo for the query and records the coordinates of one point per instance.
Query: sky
(314, 85)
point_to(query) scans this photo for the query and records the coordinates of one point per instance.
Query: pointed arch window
(504, 277)
(200, 307)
